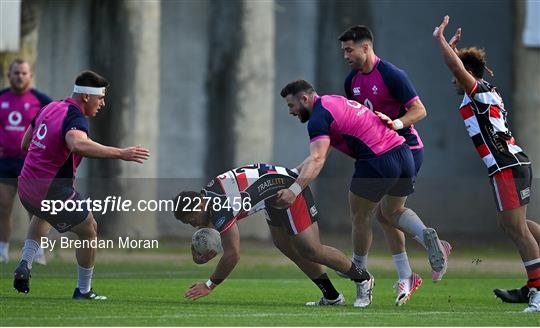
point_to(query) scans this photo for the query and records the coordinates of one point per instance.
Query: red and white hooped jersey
(484, 115)
(248, 185)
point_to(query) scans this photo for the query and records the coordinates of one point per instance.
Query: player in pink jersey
(57, 140)
(295, 231)
(18, 105)
(384, 169)
(509, 169)
(387, 90)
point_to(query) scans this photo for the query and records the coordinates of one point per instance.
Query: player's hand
(197, 290)
(438, 33)
(455, 39)
(135, 154)
(284, 198)
(202, 258)
(386, 120)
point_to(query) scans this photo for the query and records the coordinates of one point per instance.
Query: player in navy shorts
(18, 105)
(56, 141)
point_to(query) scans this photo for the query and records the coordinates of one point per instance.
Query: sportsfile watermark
(121, 204)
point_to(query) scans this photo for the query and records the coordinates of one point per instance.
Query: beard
(303, 114)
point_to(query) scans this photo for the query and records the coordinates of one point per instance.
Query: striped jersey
(484, 115)
(243, 191)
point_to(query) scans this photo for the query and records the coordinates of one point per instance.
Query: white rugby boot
(326, 302)
(364, 292)
(405, 288)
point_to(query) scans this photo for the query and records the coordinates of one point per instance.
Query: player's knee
(309, 252)
(89, 229)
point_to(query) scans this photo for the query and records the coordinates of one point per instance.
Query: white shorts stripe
(291, 221)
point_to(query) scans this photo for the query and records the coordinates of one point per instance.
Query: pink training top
(351, 127)
(16, 113)
(49, 168)
(388, 90)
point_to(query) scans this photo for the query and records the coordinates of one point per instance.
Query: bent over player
(509, 169)
(295, 231)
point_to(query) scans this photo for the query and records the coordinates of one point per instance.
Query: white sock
(4, 249)
(411, 223)
(29, 251)
(40, 252)
(360, 261)
(401, 261)
(84, 279)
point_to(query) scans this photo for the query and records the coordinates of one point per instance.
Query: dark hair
(474, 60)
(183, 199)
(91, 79)
(17, 61)
(356, 33)
(295, 87)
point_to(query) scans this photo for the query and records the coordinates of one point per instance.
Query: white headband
(89, 90)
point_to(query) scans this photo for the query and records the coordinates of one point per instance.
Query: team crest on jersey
(27, 106)
(374, 89)
(313, 210)
(5, 104)
(219, 222)
(356, 91)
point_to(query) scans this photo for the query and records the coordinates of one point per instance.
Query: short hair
(182, 201)
(295, 87)
(17, 61)
(474, 60)
(91, 79)
(357, 33)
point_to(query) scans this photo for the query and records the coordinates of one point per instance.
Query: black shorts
(298, 217)
(512, 187)
(65, 219)
(392, 173)
(10, 169)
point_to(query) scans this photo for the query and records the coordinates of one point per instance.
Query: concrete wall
(305, 45)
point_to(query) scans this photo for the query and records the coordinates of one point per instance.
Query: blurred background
(197, 82)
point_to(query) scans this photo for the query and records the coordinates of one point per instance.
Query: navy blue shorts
(10, 169)
(418, 156)
(392, 174)
(65, 219)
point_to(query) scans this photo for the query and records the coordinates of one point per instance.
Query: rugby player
(509, 169)
(295, 231)
(56, 141)
(18, 105)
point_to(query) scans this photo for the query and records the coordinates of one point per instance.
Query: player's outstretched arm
(311, 167)
(79, 143)
(451, 59)
(230, 240)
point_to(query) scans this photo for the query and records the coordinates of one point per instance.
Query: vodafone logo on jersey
(42, 131)
(15, 118)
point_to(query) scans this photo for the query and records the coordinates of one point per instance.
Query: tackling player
(295, 231)
(509, 169)
(384, 169)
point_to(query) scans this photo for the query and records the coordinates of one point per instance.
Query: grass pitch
(265, 290)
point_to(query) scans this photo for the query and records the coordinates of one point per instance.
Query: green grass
(263, 291)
